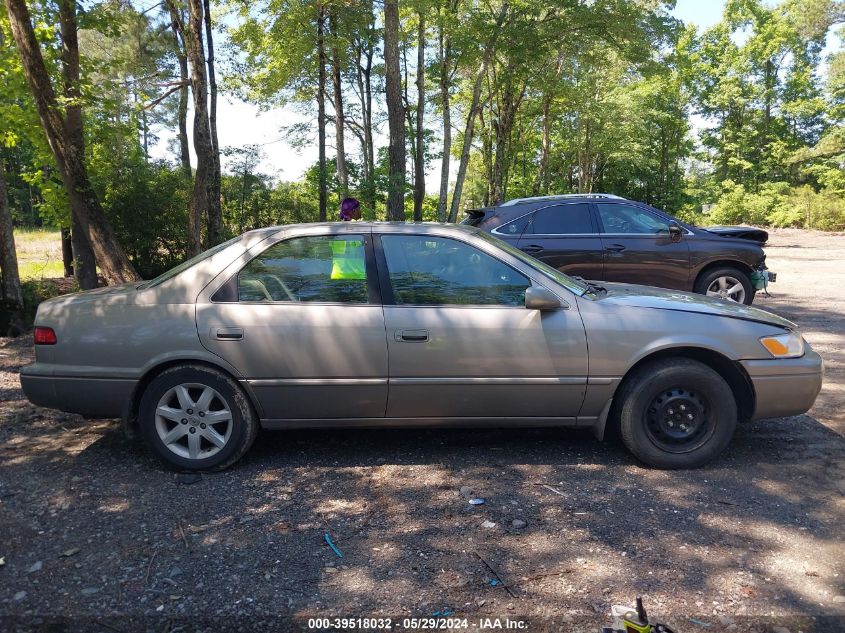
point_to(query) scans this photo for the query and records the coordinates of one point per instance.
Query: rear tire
(196, 418)
(729, 283)
(676, 413)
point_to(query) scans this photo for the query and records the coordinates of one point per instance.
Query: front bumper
(90, 397)
(785, 386)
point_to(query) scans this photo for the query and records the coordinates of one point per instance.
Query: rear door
(565, 236)
(461, 342)
(639, 249)
(303, 323)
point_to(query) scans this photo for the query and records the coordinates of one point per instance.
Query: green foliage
(779, 205)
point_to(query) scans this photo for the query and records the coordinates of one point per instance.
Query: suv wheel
(727, 283)
(196, 418)
(676, 413)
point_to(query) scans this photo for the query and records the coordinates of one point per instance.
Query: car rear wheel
(196, 418)
(676, 413)
(730, 284)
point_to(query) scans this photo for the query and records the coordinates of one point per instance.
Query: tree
(419, 160)
(202, 197)
(63, 138)
(11, 283)
(395, 113)
(177, 25)
(474, 107)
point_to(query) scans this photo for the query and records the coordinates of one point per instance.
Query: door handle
(228, 333)
(615, 248)
(533, 248)
(412, 336)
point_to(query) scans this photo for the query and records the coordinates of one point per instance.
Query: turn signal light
(44, 335)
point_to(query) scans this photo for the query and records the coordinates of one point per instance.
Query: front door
(638, 248)
(461, 342)
(305, 327)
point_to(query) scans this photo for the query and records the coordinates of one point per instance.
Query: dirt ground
(97, 535)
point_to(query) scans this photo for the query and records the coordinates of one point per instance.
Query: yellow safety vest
(348, 259)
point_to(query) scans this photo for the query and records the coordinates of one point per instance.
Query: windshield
(186, 265)
(564, 280)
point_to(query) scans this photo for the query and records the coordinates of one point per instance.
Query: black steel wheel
(676, 413)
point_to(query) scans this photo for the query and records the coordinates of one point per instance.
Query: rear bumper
(785, 387)
(91, 397)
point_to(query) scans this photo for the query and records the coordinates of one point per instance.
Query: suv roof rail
(561, 196)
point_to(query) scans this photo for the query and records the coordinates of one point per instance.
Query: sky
(241, 123)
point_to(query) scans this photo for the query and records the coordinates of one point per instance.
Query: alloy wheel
(193, 421)
(728, 288)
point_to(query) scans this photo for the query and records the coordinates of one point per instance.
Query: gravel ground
(97, 535)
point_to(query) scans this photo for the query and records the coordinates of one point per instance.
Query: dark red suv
(605, 237)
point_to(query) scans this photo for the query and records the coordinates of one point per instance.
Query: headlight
(789, 345)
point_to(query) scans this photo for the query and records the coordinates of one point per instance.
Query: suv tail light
(44, 335)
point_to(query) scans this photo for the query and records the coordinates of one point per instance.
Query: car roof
(562, 196)
(372, 224)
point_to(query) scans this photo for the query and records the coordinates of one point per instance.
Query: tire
(655, 402)
(196, 418)
(710, 283)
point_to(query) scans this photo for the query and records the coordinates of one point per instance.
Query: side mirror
(675, 232)
(537, 298)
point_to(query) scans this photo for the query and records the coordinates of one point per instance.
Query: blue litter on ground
(332, 545)
(699, 622)
(476, 502)
(494, 583)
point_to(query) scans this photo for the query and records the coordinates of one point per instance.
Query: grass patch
(39, 253)
(41, 270)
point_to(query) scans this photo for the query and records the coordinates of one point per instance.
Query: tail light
(44, 335)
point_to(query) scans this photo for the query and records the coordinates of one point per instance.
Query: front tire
(676, 413)
(728, 283)
(196, 418)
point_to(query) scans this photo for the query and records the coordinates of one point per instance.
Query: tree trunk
(113, 262)
(11, 282)
(395, 113)
(215, 210)
(541, 186)
(419, 162)
(473, 111)
(365, 163)
(178, 26)
(85, 264)
(364, 77)
(203, 147)
(85, 269)
(339, 123)
(503, 128)
(321, 108)
(67, 251)
(445, 60)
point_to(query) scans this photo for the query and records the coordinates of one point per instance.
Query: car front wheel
(196, 418)
(676, 413)
(730, 284)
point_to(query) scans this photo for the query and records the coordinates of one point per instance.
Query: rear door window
(564, 219)
(321, 269)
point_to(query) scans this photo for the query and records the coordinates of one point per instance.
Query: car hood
(662, 299)
(750, 233)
